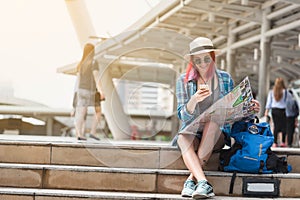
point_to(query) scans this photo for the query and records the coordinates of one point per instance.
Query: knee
(80, 115)
(185, 142)
(180, 141)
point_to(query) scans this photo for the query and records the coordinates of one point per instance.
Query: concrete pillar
(117, 120)
(174, 118)
(230, 58)
(49, 126)
(264, 67)
(81, 20)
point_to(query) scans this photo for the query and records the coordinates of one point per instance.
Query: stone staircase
(61, 168)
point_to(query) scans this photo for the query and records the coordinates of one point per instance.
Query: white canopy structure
(258, 38)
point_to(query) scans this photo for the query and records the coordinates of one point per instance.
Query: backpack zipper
(260, 150)
(249, 158)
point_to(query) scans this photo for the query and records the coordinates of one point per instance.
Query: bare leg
(96, 120)
(196, 146)
(190, 158)
(279, 138)
(79, 121)
(210, 140)
(194, 162)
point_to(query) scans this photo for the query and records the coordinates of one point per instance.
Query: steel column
(264, 71)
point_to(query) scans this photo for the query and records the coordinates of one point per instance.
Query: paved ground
(58, 139)
(242, 198)
(113, 195)
(61, 139)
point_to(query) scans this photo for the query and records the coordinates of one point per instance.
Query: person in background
(196, 90)
(89, 92)
(276, 102)
(292, 112)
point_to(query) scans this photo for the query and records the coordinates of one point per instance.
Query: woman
(196, 90)
(276, 101)
(89, 92)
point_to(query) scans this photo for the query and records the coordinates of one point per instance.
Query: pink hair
(196, 75)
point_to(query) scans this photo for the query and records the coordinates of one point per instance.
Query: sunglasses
(206, 60)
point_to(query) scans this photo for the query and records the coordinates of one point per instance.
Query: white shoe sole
(186, 195)
(203, 196)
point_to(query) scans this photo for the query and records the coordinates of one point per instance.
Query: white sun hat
(201, 45)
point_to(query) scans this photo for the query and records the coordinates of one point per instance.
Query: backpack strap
(255, 120)
(232, 182)
(285, 95)
(261, 166)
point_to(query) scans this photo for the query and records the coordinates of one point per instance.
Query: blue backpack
(251, 152)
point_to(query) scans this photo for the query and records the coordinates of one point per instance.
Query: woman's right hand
(200, 95)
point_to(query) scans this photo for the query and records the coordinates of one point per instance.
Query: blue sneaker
(203, 190)
(188, 188)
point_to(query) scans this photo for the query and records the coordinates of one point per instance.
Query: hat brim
(187, 56)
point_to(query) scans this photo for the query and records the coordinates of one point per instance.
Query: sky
(37, 37)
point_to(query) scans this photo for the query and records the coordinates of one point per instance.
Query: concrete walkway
(61, 139)
(111, 195)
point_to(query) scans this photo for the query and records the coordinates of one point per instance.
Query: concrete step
(106, 153)
(51, 194)
(164, 181)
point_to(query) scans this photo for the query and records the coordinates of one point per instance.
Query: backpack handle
(255, 120)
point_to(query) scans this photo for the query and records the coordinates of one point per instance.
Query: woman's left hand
(256, 106)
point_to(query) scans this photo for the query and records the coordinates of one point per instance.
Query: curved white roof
(161, 37)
